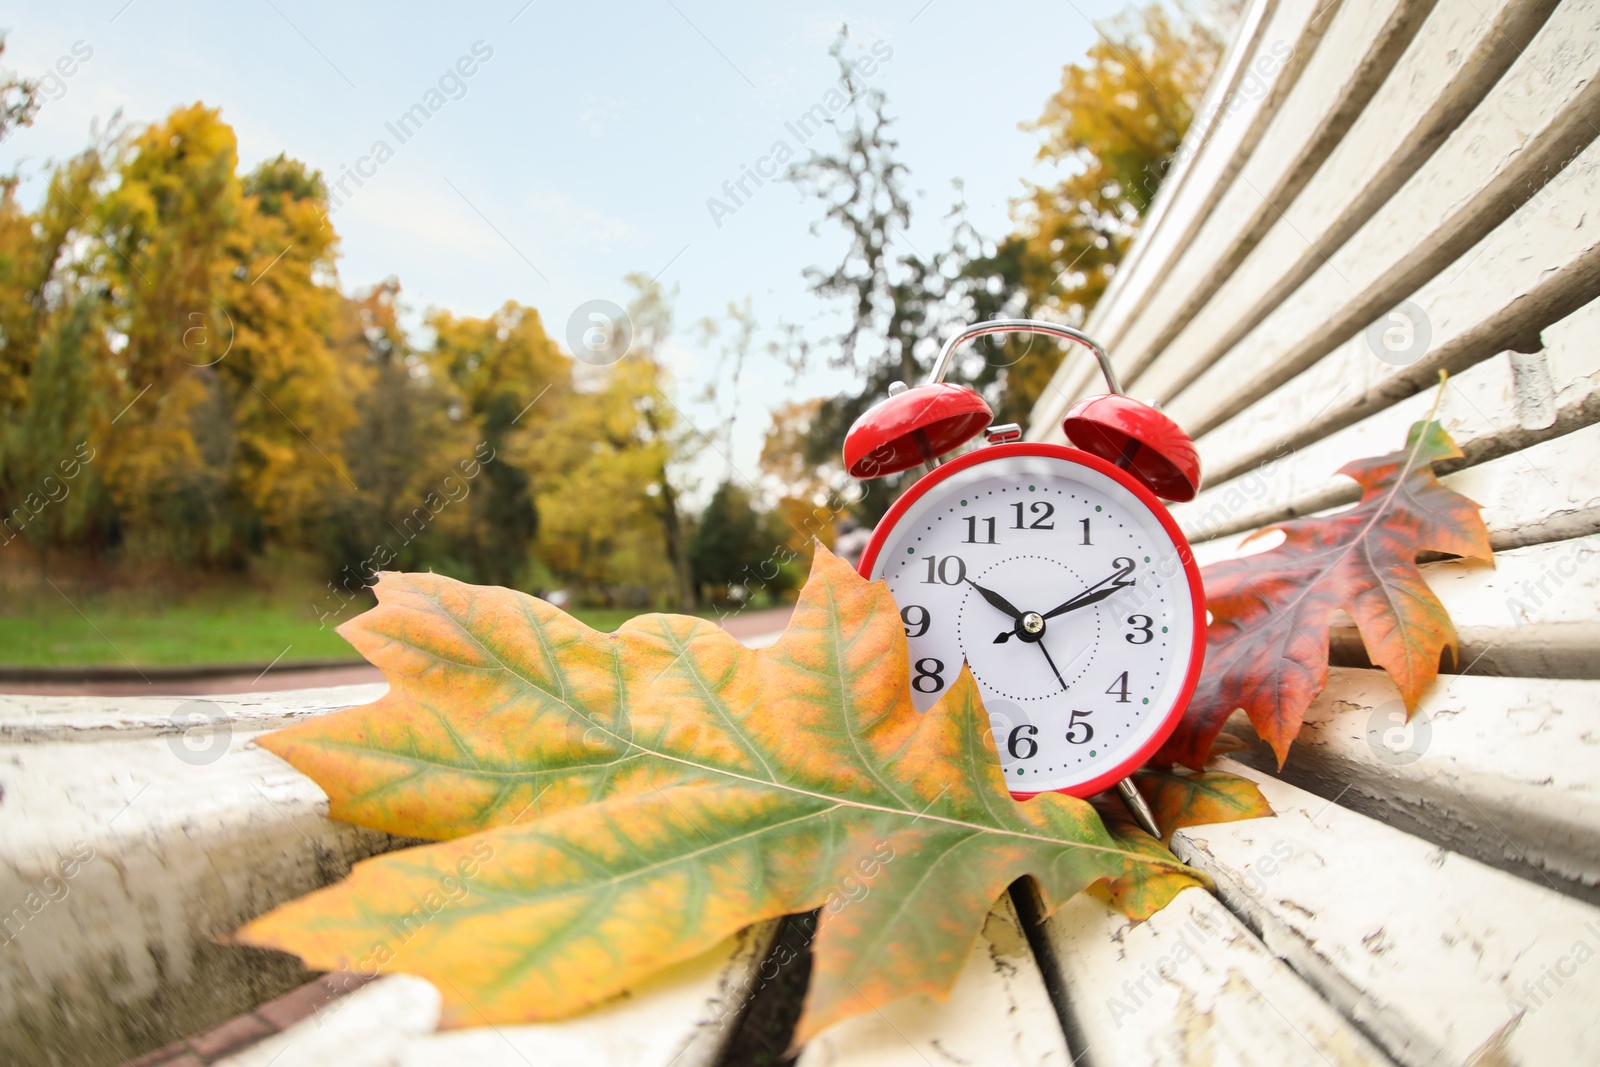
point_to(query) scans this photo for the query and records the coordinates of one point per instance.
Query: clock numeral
(1120, 688)
(1085, 530)
(972, 531)
(930, 674)
(1042, 509)
(1073, 725)
(1124, 567)
(1141, 624)
(1022, 737)
(915, 615)
(939, 570)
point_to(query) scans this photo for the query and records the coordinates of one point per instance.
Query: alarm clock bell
(918, 425)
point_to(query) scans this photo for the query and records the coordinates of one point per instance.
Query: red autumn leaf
(1267, 644)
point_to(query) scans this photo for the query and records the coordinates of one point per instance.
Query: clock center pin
(1033, 622)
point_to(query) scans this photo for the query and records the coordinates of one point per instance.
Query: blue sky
(585, 147)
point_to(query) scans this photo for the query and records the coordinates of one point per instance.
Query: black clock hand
(1052, 663)
(1094, 594)
(1083, 600)
(995, 599)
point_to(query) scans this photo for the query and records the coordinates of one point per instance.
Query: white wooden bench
(1424, 896)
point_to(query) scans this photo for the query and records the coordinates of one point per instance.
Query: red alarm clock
(1055, 573)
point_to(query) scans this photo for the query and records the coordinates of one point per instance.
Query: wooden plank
(1435, 956)
(1445, 72)
(1489, 409)
(171, 839)
(371, 1027)
(1190, 985)
(1531, 615)
(127, 855)
(1499, 769)
(998, 1014)
(1347, 133)
(681, 1017)
(1535, 269)
(1549, 492)
(1538, 117)
(1201, 178)
(37, 719)
(1237, 64)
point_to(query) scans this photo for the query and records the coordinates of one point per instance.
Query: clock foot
(1141, 811)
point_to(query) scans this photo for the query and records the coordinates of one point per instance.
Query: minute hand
(1093, 595)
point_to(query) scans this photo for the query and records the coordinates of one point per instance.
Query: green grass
(237, 629)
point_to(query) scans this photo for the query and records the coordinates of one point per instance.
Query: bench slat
(1531, 615)
(1445, 72)
(1189, 985)
(1179, 187)
(1366, 51)
(1428, 951)
(1486, 409)
(369, 1028)
(1540, 115)
(36, 719)
(1550, 492)
(681, 1017)
(998, 1014)
(1500, 769)
(1199, 181)
(1535, 269)
(178, 851)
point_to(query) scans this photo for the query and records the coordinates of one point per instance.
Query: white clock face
(1064, 594)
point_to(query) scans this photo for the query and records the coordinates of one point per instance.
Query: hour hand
(995, 599)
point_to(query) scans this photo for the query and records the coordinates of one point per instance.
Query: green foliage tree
(730, 543)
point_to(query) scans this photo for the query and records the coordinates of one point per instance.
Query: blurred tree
(49, 349)
(897, 298)
(222, 413)
(730, 545)
(181, 327)
(282, 380)
(403, 446)
(19, 99)
(501, 366)
(600, 529)
(1118, 117)
(784, 454)
(661, 432)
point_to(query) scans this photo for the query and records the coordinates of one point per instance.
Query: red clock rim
(1106, 779)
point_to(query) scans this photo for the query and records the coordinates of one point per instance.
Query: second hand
(1052, 663)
